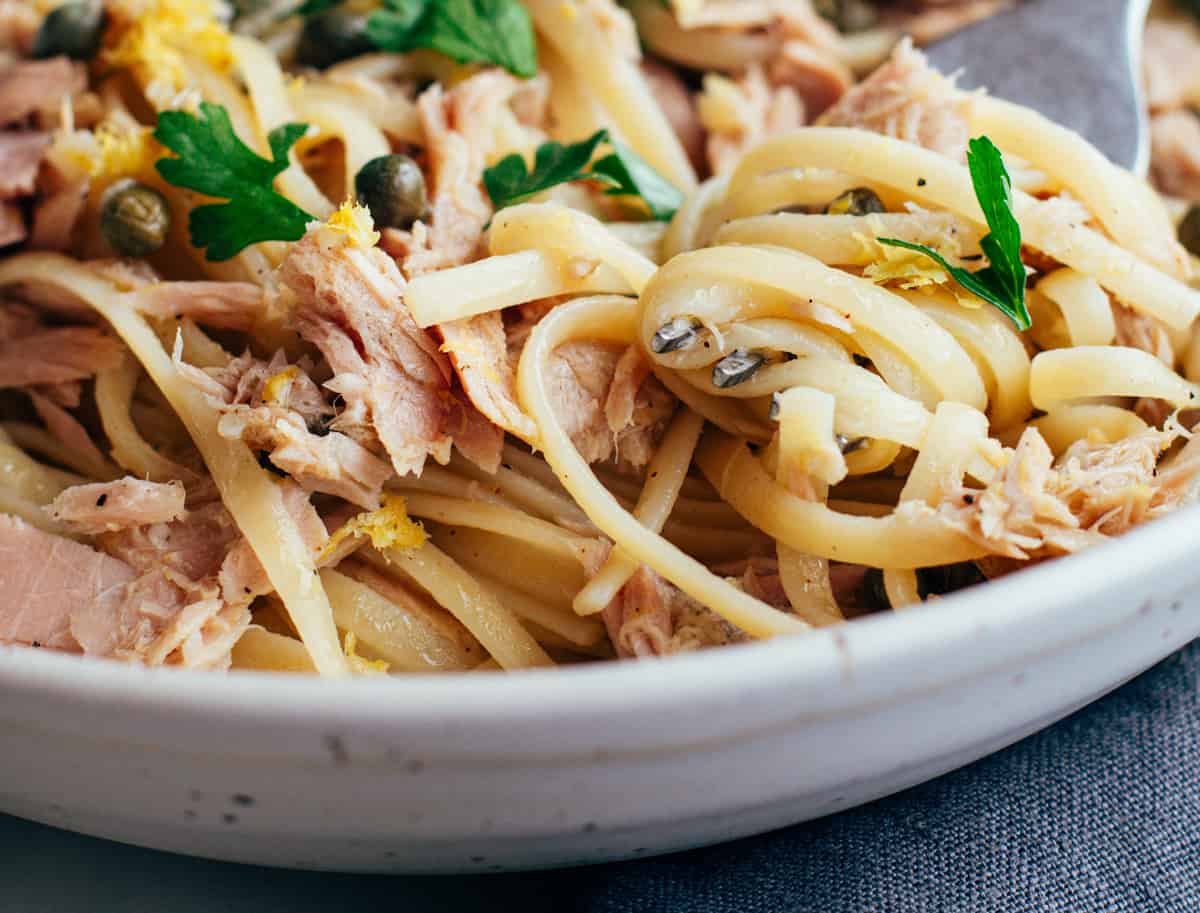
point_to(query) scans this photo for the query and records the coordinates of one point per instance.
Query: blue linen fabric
(1099, 814)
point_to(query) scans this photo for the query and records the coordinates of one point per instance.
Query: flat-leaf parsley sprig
(622, 172)
(212, 160)
(1002, 281)
(497, 32)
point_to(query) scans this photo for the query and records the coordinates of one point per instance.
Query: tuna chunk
(20, 156)
(55, 355)
(1139, 331)
(242, 577)
(65, 426)
(640, 620)
(678, 107)
(190, 550)
(177, 610)
(155, 595)
(46, 579)
(226, 305)
(762, 581)
(460, 128)
(276, 408)
(478, 349)
(1037, 508)
(393, 379)
(32, 92)
(909, 100)
(100, 507)
(1175, 158)
(17, 319)
(738, 114)
(56, 215)
(1171, 65)
(608, 402)
(816, 75)
(652, 617)
(12, 224)
(247, 380)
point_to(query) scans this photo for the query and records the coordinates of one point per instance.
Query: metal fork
(1076, 61)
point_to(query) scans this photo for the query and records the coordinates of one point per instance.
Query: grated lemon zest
(113, 150)
(387, 527)
(153, 38)
(354, 220)
(276, 386)
(908, 269)
(360, 665)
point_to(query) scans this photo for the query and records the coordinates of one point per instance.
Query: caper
(331, 37)
(678, 333)
(1189, 230)
(134, 219)
(737, 367)
(393, 188)
(859, 201)
(72, 30)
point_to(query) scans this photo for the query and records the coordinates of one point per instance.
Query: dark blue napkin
(1099, 814)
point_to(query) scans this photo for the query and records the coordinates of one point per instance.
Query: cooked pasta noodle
(557, 354)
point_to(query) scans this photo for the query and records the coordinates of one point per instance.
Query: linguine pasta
(410, 355)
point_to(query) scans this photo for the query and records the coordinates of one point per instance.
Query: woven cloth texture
(1098, 814)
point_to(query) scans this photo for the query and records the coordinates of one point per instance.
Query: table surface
(46, 870)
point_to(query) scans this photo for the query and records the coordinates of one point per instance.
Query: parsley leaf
(1002, 281)
(631, 175)
(496, 32)
(508, 182)
(213, 161)
(396, 28)
(622, 172)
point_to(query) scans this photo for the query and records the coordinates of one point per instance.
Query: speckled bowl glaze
(486, 771)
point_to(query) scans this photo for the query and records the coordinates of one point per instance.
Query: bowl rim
(1012, 617)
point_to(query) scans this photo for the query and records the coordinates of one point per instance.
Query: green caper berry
(134, 219)
(393, 188)
(72, 30)
(331, 37)
(860, 201)
(1189, 230)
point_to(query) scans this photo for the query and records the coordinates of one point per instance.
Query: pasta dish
(399, 336)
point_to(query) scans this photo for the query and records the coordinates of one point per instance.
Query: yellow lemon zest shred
(360, 665)
(153, 38)
(387, 527)
(277, 386)
(354, 220)
(910, 269)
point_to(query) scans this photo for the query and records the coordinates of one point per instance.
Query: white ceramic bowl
(480, 772)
